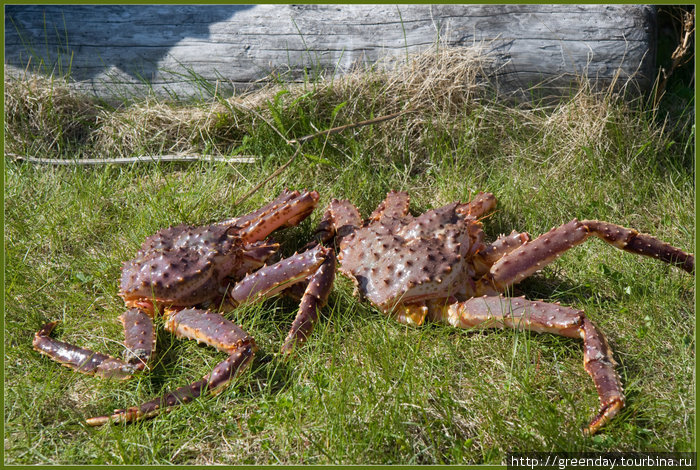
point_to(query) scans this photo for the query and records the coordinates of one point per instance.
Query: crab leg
(541, 317)
(640, 243)
(340, 219)
(289, 212)
(480, 205)
(284, 196)
(530, 257)
(274, 278)
(489, 254)
(139, 337)
(206, 327)
(315, 297)
(79, 359)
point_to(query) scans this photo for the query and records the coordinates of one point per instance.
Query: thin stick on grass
(273, 175)
(127, 160)
(681, 51)
(338, 129)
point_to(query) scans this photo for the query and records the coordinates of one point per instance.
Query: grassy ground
(364, 389)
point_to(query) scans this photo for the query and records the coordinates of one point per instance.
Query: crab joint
(215, 382)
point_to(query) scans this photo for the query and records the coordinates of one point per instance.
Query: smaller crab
(179, 272)
(438, 266)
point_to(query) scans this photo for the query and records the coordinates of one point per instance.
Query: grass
(364, 389)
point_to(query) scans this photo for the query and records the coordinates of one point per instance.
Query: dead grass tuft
(440, 83)
(436, 85)
(155, 127)
(440, 87)
(44, 116)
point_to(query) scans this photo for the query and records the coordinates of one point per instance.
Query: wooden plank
(151, 46)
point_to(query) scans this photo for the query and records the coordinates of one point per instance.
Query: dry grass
(436, 85)
(42, 113)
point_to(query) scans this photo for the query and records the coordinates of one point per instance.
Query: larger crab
(180, 271)
(438, 266)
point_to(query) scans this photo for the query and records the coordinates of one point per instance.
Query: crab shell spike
(209, 328)
(81, 360)
(272, 279)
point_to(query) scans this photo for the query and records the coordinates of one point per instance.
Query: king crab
(180, 272)
(437, 266)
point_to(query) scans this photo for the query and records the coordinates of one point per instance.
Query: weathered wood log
(108, 49)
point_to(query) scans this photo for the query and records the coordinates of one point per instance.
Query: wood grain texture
(154, 46)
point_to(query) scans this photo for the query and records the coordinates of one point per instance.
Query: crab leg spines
(489, 254)
(395, 205)
(600, 365)
(533, 256)
(209, 328)
(290, 212)
(314, 298)
(232, 366)
(139, 337)
(542, 317)
(482, 204)
(272, 279)
(215, 382)
(244, 220)
(640, 243)
(151, 408)
(79, 359)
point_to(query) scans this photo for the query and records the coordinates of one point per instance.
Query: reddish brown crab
(183, 267)
(438, 266)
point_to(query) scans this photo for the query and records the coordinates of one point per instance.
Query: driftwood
(108, 49)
